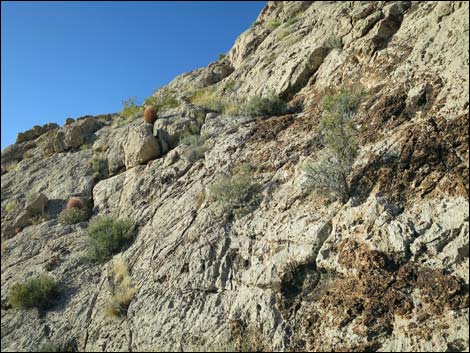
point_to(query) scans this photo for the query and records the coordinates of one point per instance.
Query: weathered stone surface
(141, 146)
(35, 132)
(387, 271)
(36, 203)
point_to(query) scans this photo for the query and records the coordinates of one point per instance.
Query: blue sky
(69, 59)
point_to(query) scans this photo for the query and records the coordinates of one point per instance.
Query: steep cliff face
(385, 271)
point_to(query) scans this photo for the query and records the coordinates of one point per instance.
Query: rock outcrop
(385, 271)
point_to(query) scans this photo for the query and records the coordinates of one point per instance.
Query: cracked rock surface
(386, 271)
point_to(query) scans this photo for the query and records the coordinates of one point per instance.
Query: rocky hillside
(224, 247)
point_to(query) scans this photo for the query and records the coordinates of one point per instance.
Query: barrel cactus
(74, 203)
(150, 115)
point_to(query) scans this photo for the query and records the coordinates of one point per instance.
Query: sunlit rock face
(387, 270)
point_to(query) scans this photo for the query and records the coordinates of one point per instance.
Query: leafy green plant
(36, 292)
(237, 192)
(329, 175)
(272, 24)
(99, 166)
(107, 236)
(164, 99)
(130, 108)
(11, 205)
(261, 106)
(73, 215)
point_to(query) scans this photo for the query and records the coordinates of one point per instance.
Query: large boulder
(141, 146)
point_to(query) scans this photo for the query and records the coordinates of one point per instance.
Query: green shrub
(130, 108)
(99, 166)
(272, 24)
(222, 56)
(11, 205)
(36, 292)
(73, 215)
(165, 99)
(197, 147)
(330, 173)
(237, 192)
(262, 106)
(107, 236)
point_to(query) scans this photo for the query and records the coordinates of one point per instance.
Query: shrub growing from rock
(123, 291)
(262, 106)
(36, 292)
(73, 215)
(329, 174)
(196, 147)
(130, 108)
(107, 236)
(237, 192)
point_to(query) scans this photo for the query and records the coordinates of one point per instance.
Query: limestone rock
(141, 146)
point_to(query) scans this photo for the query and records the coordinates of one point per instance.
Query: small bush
(11, 205)
(197, 147)
(272, 24)
(37, 219)
(37, 292)
(238, 192)
(207, 98)
(73, 215)
(330, 173)
(130, 108)
(164, 99)
(262, 106)
(99, 166)
(107, 236)
(123, 290)
(222, 56)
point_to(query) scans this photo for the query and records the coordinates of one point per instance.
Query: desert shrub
(107, 236)
(164, 99)
(73, 215)
(207, 98)
(292, 20)
(130, 108)
(196, 147)
(11, 205)
(122, 292)
(272, 24)
(260, 106)
(36, 292)
(329, 174)
(99, 166)
(222, 56)
(37, 219)
(150, 115)
(284, 33)
(237, 192)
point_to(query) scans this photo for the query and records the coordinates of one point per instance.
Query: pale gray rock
(141, 146)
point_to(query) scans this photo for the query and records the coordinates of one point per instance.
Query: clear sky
(69, 59)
